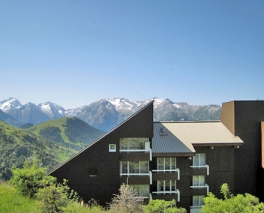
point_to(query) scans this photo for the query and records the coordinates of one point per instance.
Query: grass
(11, 201)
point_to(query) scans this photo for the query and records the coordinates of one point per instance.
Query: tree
(55, 197)
(29, 179)
(127, 200)
(162, 206)
(230, 203)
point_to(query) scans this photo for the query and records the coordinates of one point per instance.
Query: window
(133, 143)
(162, 131)
(198, 180)
(166, 163)
(112, 147)
(199, 159)
(198, 200)
(93, 172)
(137, 167)
(142, 190)
(166, 185)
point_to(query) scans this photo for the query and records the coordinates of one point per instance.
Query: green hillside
(17, 145)
(52, 143)
(71, 133)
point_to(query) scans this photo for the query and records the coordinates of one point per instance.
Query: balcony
(141, 154)
(137, 177)
(201, 187)
(163, 194)
(195, 209)
(205, 166)
(167, 173)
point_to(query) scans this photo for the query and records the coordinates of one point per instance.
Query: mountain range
(105, 113)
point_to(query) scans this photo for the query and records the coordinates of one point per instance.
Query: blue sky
(74, 53)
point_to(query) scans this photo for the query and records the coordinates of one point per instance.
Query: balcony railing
(177, 191)
(138, 174)
(201, 187)
(145, 196)
(195, 209)
(138, 150)
(202, 166)
(168, 170)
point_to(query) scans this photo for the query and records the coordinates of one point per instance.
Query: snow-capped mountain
(29, 113)
(107, 113)
(9, 104)
(52, 110)
(101, 115)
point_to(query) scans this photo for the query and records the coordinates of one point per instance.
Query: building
(170, 160)
(245, 119)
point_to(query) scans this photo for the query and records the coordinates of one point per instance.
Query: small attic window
(112, 147)
(93, 172)
(162, 131)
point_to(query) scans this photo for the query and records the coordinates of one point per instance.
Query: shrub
(55, 197)
(231, 203)
(162, 206)
(127, 200)
(28, 180)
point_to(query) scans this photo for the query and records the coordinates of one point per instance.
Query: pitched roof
(181, 136)
(108, 133)
(168, 142)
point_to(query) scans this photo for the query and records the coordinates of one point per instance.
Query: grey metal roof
(168, 142)
(181, 136)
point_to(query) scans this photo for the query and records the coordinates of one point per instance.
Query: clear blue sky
(77, 52)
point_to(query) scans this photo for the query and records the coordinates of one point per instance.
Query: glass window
(133, 143)
(198, 180)
(166, 185)
(199, 159)
(173, 185)
(112, 148)
(123, 144)
(143, 166)
(173, 163)
(160, 163)
(166, 163)
(198, 200)
(160, 185)
(134, 167)
(124, 167)
(142, 190)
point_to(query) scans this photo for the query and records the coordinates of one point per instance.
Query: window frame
(112, 149)
(199, 200)
(138, 166)
(199, 159)
(162, 164)
(200, 180)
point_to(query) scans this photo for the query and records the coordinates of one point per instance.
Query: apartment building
(162, 160)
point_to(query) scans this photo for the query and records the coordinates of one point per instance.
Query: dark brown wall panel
(248, 117)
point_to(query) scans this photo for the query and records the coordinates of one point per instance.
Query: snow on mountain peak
(9, 104)
(121, 103)
(45, 107)
(158, 101)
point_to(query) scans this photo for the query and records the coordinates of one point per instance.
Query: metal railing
(202, 166)
(168, 170)
(139, 174)
(138, 150)
(177, 191)
(201, 187)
